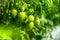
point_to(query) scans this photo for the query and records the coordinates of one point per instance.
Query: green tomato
(31, 10)
(22, 16)
(31, 25)
(31, 18)
(24, 6)
(37, 22)
(14, 12)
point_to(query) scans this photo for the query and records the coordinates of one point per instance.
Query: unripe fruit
(37, 22)
(31, 18)
(14, 12)
(31, 10)
(22, 16)
(31, 25)
(24, 6)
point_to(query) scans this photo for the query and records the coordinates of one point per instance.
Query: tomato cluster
(33, 17)
(23, 13)
(23, 16)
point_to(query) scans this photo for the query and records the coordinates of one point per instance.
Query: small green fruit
(31, 18)
(37, 22)
(22, 16)
(14, 12)
(31, 25)
(24, 6)
(31, 10)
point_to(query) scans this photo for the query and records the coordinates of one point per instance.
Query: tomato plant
(28, 19)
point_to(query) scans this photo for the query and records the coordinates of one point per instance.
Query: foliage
(28, 19)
